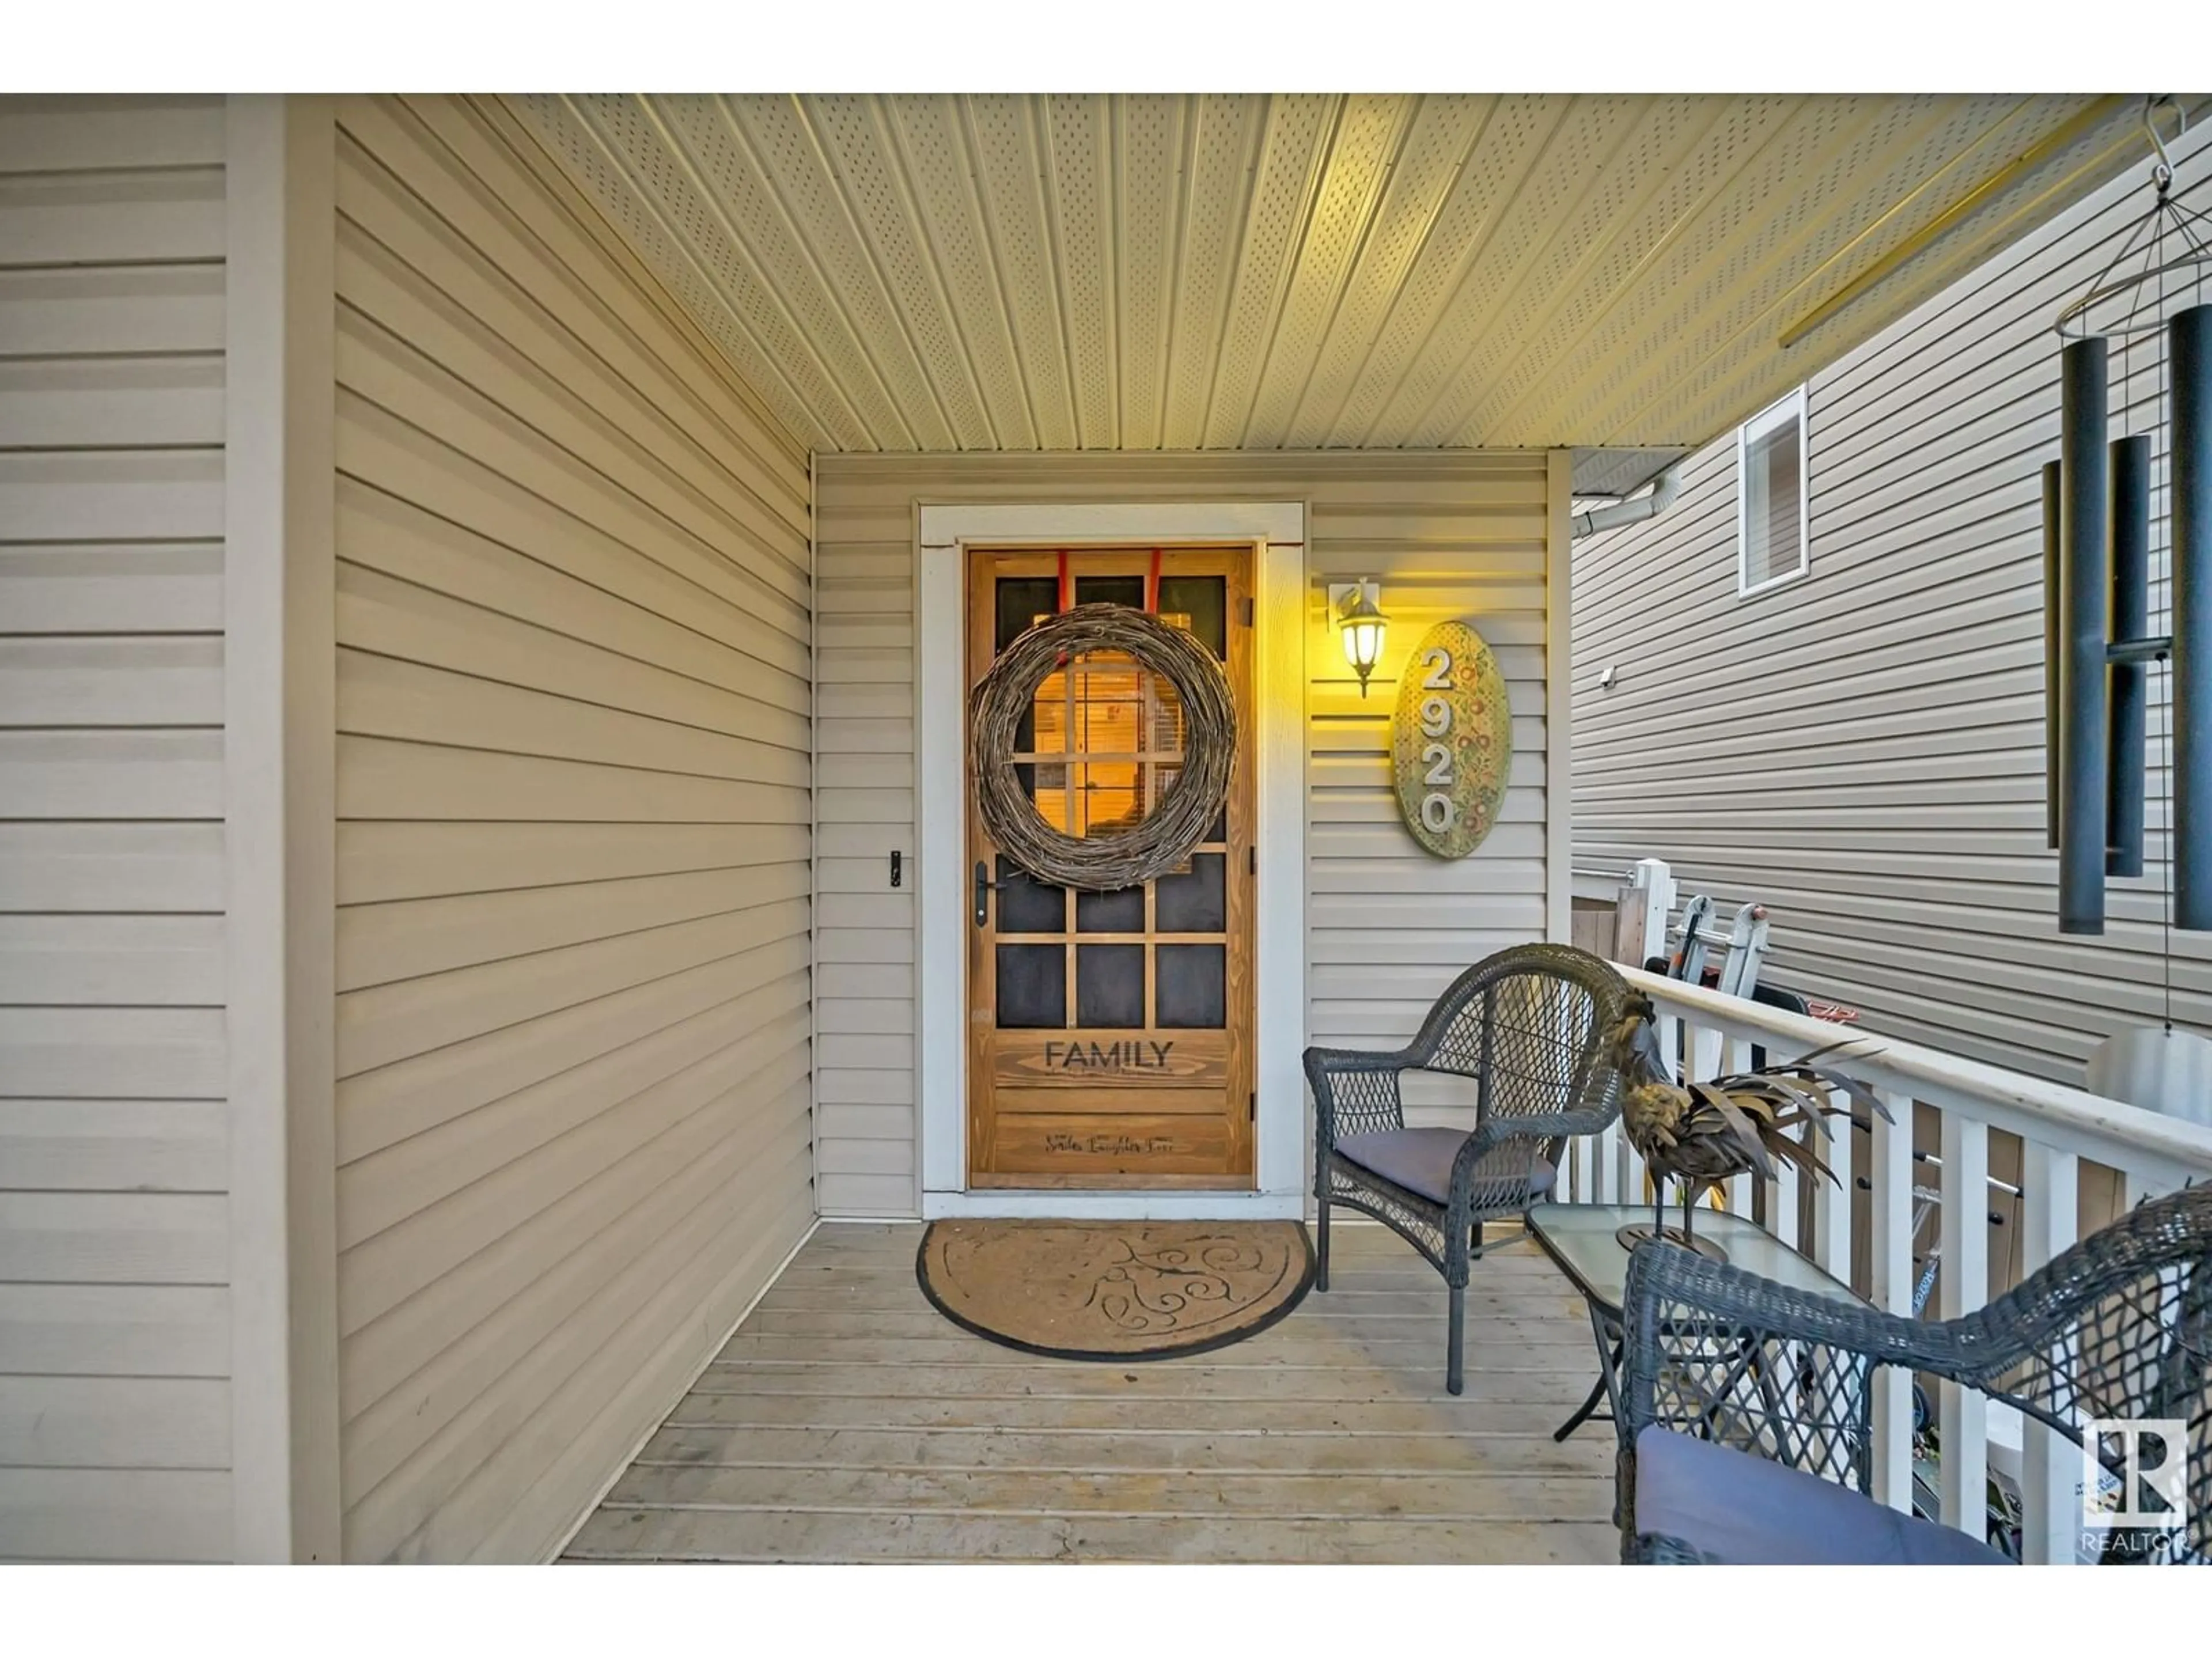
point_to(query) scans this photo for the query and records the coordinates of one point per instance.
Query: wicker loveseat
(1528, 1025)
(1745, 1418)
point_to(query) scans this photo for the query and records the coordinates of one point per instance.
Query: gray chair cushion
(1420, 1160)
(1732, 1506)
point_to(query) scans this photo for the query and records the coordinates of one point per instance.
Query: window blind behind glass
(1774, 489)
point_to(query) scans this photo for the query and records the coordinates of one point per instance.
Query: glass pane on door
(1027, 905)
(1121, 912)
(1196, 901)
(1193, 986)
(1032, 986)
(1110, 986)
(1200, 603)
(1023, 602)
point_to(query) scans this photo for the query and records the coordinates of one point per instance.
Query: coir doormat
(1114, 1291)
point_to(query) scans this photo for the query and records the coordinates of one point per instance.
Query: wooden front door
(1110, 1034)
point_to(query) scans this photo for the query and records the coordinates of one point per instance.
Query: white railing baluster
(1632, 1181)
(1604, 1158)
(1739, 1194)
(1889, 1240)
(1831, 1202)
(1702, 1047)
(1571, 1182)
(1736, 1057)
(1965, 1282)
(1704, 1065)
(2136, 1186)
(2051, 1464)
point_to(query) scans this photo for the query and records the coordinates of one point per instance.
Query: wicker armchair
(1528, 1024)
(1745, 1422)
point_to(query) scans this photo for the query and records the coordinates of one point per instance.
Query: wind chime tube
(2130, 687)
(2050, 651)
(2083, 591)
(2190, 353)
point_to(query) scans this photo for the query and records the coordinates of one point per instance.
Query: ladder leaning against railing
(1642, 932)
(2058, 1126)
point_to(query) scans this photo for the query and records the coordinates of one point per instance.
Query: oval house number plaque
(1451, 740)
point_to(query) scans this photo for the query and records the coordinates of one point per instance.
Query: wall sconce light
(1360, 625)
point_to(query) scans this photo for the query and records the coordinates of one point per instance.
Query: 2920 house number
(1451, 741)
(1438, 810)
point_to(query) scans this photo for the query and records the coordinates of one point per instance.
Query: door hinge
(1252, 861)
(1252, 1107)
(1248, 611)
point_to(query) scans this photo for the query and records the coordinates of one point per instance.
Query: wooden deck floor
(848, 1421)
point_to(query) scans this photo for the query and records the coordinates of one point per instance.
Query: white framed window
(1771, 524)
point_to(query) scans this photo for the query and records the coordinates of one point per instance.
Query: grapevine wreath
(1160, 841)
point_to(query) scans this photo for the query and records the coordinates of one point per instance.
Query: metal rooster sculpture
(1701, 1134)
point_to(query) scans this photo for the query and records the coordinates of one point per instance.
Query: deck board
(846, 1421)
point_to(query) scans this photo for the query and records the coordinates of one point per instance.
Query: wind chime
(2097, 540)
(2097, 529)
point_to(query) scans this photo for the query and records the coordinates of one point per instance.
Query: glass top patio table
(1582, 1238)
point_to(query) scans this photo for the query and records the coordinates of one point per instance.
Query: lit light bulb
(1361, 626)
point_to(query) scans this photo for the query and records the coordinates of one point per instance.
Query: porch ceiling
(1217, 272)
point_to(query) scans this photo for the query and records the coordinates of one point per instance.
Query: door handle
(984, 888)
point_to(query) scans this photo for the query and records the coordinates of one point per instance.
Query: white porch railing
(2058, 1126)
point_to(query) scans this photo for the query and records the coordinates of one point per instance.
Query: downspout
(1635, 510)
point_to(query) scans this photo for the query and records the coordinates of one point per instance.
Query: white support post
(1889, 1239)
(1653, 883)
(1965, 1284)
(1832, 1203)
(2051, 1464)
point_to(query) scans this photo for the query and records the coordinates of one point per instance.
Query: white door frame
(1276, 532)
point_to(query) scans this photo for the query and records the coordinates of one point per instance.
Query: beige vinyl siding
(115, 1351)
(573, 626)
(1862, 750)
(1459, 535)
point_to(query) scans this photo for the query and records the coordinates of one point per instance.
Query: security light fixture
(1360, 625)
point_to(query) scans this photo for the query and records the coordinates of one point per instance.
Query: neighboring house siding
(115, 1339)
(1449, 536)
(573, 782)
(1862, 750)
